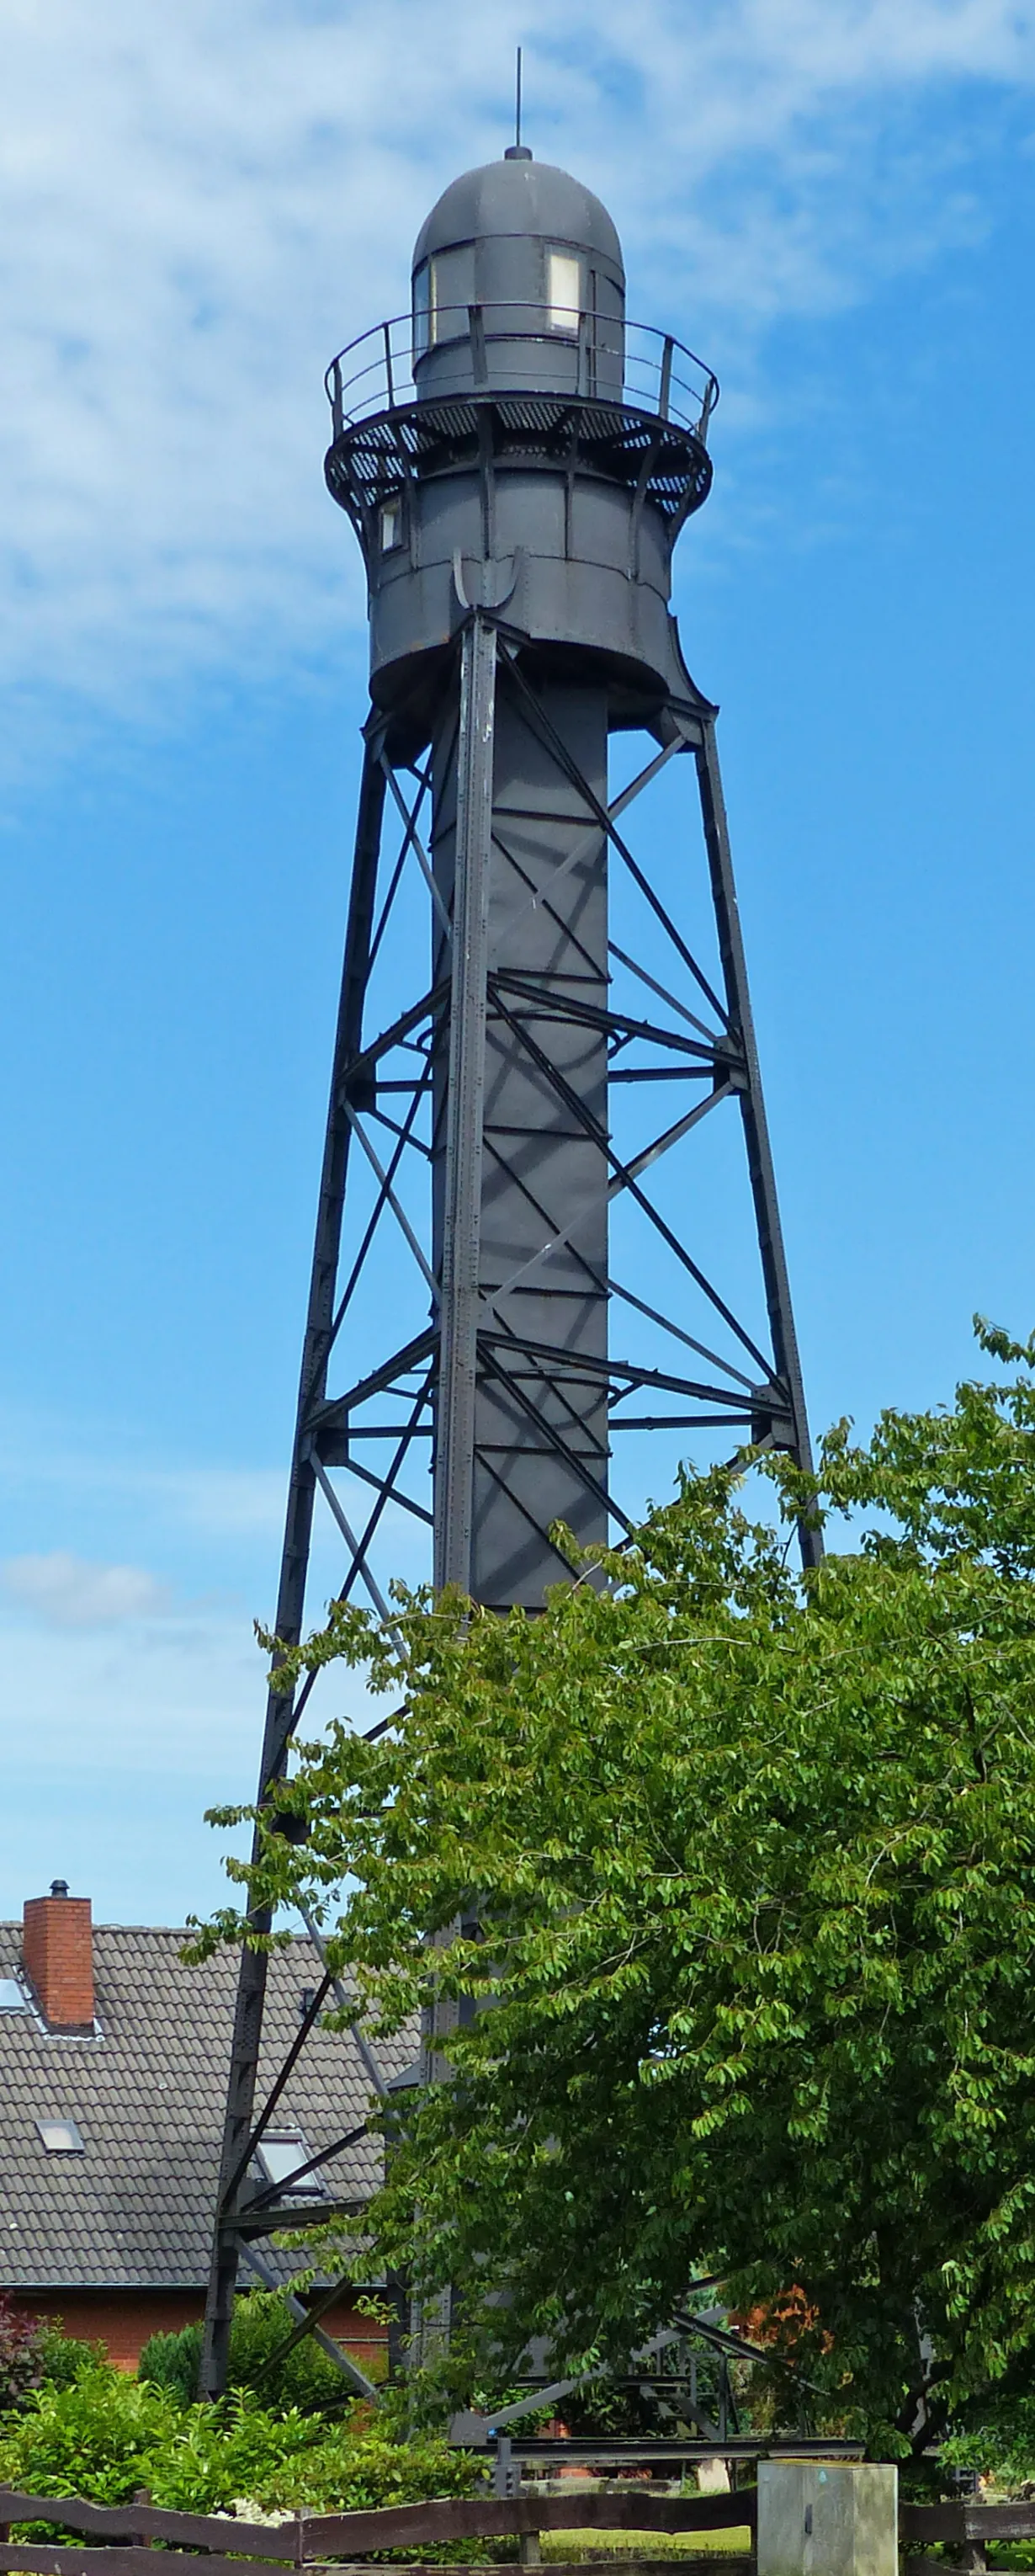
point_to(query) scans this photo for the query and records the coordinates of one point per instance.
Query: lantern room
(518, 281)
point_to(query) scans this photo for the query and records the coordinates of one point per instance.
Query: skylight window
(281, 2156)
(11, 1996)
(61, 2137)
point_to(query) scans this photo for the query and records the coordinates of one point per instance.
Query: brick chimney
(57, 1946)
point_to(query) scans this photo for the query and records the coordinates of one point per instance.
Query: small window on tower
(563, 291)
(391, 526)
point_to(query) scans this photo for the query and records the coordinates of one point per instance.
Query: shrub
(97, 2438)
(999, 2442)
(238, 2454)
(107, 2435)
(66, 2357)
(354, 2472)
(170, 2361)
(307, 2380)
(220, 2456)
(21, 2362)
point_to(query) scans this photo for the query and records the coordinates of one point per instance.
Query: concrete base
(827, 2518)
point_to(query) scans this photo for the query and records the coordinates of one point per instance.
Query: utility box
(827, 2518)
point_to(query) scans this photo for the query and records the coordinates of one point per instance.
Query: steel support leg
(756, 1131)
(295, 1559)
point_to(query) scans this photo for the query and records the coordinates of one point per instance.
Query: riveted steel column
(461, 1242)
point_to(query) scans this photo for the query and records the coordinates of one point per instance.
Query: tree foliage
(743, 1862)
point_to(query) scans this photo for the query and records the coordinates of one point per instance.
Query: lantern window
(563, 291)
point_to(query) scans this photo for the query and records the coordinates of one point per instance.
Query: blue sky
(833, 201)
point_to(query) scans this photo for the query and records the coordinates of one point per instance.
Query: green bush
(226, 2455)
(107, 2435)
(307, 2379)
(1000, 2444)
(66, 2358)
(97, 2438)
(170, 2361)
(353, 2473)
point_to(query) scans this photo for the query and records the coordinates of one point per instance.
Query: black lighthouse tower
(517, 460)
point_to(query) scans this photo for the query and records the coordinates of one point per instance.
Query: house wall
(124, 2320)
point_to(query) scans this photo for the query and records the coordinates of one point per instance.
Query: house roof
(146, 2091)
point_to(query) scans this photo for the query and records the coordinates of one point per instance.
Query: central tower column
(533, 1121)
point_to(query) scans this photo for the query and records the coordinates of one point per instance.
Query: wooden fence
(312, 2540)
(128, 2534)
(969, 2530)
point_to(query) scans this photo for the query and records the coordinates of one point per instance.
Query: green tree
(743, 1862)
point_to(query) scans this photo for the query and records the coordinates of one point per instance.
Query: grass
(643, 2544)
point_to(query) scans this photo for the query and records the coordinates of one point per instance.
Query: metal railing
(376, 372)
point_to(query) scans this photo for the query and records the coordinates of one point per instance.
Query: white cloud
(126, 1734)
(199, 203)
(68, 1591)
(224, 1503)
(219, 1503)
(121, 1679)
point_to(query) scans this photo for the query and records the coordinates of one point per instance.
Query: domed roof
(515, 196)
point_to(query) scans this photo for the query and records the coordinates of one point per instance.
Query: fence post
(829, 2518)
(143, 2495)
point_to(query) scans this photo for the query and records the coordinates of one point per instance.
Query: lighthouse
(518, 459)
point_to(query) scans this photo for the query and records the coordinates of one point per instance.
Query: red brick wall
(124, 2320)
(121, 2320)
(367, 2342)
